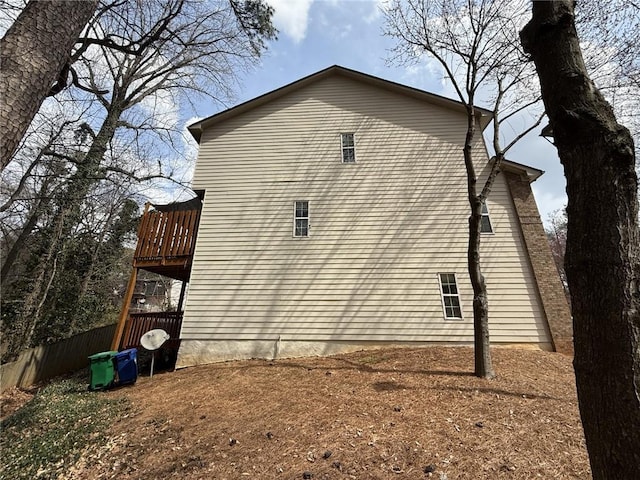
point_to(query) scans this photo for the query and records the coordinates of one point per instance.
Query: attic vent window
(301, 219)
(450, 296)
(348, 148)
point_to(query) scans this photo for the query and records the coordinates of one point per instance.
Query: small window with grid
(301, 218)
(348, 147)
(450, 296)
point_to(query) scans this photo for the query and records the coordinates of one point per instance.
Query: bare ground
(392, 413)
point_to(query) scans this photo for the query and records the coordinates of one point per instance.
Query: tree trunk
(33, 52)
(483, 364)
(27, 320)
(482, 352)
(603, 242)
(20, 244)
(67, 216)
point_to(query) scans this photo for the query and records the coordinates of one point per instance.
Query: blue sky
(315, 34)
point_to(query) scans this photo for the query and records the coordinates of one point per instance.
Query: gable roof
(196, 128)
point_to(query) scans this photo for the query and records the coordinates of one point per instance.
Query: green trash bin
(102, 371)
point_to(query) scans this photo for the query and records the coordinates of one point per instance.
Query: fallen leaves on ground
(377, 414)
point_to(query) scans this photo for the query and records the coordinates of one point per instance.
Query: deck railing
(167, 237)
(140, 323)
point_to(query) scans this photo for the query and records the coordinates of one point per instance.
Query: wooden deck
(166, 241)
(140, 323)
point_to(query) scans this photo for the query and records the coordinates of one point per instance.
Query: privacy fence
(48, 361)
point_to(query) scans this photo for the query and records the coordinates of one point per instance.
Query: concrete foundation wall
(198, 352)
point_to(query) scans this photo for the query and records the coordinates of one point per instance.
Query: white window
(485, 221)
(348, 143)
(301, 218)
(450, 297)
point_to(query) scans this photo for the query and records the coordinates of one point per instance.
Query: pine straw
(13, 399)
(392, 413)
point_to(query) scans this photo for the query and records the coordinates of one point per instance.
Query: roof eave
(531, 173)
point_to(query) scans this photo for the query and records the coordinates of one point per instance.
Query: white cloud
(427, 74)
(345, 31)
(180, 163)
(162, 108)
(378, 7)
(291, 17)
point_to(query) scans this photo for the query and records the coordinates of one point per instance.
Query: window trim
(343, 148)
(456, 295)
(486, 214)
(296, 218)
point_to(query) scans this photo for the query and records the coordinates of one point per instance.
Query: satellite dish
(153, 340)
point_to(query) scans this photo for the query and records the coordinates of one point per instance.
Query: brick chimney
(554, 302)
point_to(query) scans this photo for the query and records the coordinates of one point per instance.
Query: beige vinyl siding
(381, 229)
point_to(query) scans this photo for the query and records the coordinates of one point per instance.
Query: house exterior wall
(382, 230)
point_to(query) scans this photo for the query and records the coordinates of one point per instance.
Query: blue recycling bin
(126, 363)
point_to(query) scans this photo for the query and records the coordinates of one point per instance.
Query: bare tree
(608, 33)
(136, 64)
(557, 238)
(33, 53)
(475, 44)
(603, 241)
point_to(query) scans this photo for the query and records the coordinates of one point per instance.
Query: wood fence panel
(47, 361)
(140, 323)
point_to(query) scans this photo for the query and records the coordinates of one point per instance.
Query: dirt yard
(399, 413)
